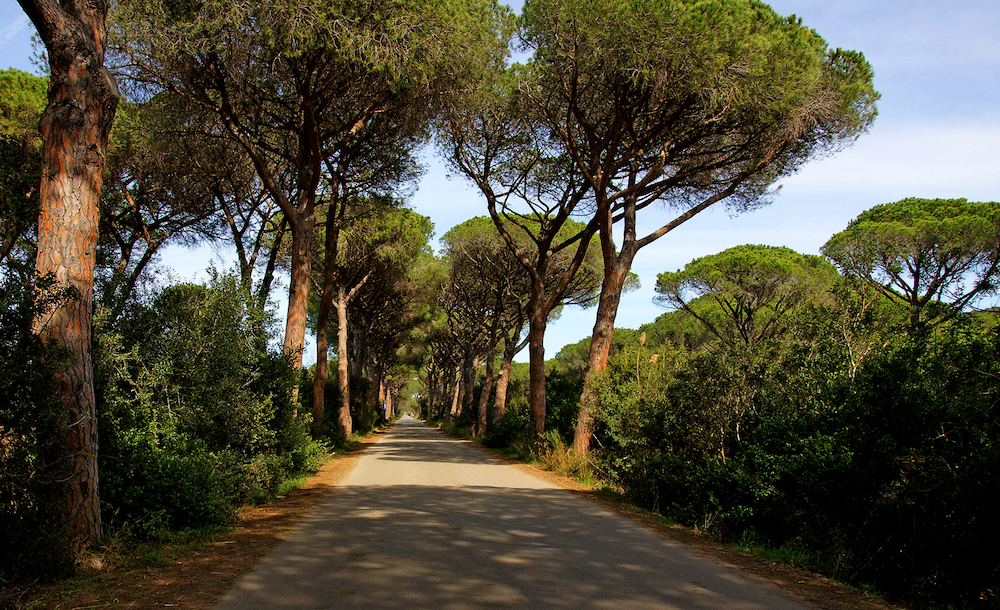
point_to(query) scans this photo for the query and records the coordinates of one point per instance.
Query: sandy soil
(198, 579)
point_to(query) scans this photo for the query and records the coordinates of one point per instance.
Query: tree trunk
(383, 401)
(298, 289)
(469, 381)
(343, 381)
(484, 398)
(503, 380)
(600, 345)
(537, 321)
(323, 320)
(510, 349)
(83, 98)
(456, 396)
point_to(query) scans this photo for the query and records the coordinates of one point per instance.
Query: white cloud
(13, 29)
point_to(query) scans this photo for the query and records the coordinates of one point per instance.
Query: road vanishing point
(425, 521)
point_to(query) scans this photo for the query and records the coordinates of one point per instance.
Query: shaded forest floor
(196, 576)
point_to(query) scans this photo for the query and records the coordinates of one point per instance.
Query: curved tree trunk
(83, 98)
(616, 268)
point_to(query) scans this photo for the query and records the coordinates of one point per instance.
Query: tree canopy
(753, 288)
(22, 100)
(922, 252)
(686, 103)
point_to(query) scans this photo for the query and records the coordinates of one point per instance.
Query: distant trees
(747, 292)
(379, 245)
(933, 256)
(486, 297)
(495, 138)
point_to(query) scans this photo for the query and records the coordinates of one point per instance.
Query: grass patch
(791, 554)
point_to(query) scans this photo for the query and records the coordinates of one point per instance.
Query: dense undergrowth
(853, 446)
(196, 420)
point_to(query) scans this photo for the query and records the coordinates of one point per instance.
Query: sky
(937, 66)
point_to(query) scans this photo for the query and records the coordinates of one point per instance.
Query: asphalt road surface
(425, 521)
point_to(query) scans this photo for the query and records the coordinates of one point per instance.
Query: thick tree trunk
(615, 275)
(503, 380)
(74, 128)
(343, 381)
(298, 289)
(537, 321)
(323, 323)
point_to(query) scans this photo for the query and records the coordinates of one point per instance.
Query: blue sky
(937, 66)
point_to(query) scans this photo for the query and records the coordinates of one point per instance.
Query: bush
(505, 432)
(881, 469)
(196, 411)
(31, 418)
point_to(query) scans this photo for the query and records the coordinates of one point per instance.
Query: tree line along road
(425, 521)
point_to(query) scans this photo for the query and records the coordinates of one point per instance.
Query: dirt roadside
(198, 579)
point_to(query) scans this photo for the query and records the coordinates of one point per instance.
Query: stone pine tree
(294, 83)
(933, 256)
(495, 137)
(75, 126)
(681, 105)
(751, 290)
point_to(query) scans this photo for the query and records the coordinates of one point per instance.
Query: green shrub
(31, 418)
(879, 469)
(195, 407)
(503, 433)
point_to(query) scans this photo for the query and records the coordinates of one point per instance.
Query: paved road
(427, 522)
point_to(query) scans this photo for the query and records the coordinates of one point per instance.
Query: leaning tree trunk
(83, 98)
(600, 346)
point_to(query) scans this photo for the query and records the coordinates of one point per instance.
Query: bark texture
(83, 98)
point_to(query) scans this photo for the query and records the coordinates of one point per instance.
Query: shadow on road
(487, 545)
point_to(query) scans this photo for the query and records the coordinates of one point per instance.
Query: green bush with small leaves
(195, 409)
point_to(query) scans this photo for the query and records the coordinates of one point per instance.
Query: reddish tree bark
(323, 323)
(83, 98)
(343, 381)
